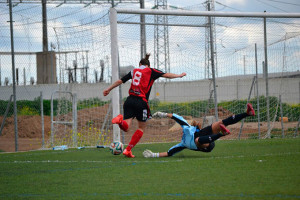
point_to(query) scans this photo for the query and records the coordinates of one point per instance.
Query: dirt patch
(29, 133)
(28, 127)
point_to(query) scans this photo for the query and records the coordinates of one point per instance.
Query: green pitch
(251, 169)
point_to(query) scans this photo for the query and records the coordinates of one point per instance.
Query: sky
(28, 27)
(284, 6)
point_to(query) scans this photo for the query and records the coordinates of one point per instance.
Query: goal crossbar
(207, 13)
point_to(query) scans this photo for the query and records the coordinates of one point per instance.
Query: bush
(198, 108)
(27, 111)
(195, 108)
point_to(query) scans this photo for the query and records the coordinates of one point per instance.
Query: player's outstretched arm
(171, 75)
(162, 115)
(149, 154)
(112, 86)
(179, 119)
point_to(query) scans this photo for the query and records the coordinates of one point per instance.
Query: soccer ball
(116, 148)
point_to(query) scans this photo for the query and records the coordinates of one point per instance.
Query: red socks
(134, 139)
(123, 125)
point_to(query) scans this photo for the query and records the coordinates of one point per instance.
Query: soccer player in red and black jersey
(136, 104)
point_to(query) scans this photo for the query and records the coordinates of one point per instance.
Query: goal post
(190, 51)
(115, 70)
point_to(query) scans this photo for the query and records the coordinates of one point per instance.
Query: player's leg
(218, 127)
(125, 123)
(236, 118)
(221, 125)
(138, 134)
(141, 114)
(208, 135)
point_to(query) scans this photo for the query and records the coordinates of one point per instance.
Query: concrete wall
(170, 91)
(46, 67)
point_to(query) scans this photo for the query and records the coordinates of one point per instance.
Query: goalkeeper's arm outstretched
(195, 138)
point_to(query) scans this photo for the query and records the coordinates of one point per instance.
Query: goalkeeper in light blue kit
(195, 138)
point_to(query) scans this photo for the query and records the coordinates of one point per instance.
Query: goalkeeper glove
(160, 115)
(149, 154)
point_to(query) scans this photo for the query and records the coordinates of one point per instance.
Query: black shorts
(136, 107)
(205, 131)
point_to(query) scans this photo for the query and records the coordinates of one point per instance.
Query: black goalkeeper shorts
(136, 107)
(205, 131)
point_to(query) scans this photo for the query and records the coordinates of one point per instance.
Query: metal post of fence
(42, 119)
(52, 121)
(281, 114)
(207, 108)
(257, 95)
(74, 120)
(213, 64)
(13, 74)
(237, 89)
(266, 73)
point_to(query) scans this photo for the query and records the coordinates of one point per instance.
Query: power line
(228, 6)
(294, 4)
(271, 5)
(83, 9)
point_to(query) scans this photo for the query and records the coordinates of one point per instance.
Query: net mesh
(235, 65)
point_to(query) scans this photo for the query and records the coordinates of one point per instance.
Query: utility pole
(45, 32)
(210, 6)
(143, 31)
(212, 58)
(161, 39)
(13, 74)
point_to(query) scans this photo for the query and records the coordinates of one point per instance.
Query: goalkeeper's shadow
(189, 156)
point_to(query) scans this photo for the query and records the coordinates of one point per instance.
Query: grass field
(247, 169)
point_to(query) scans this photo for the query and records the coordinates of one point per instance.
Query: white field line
(152, 160)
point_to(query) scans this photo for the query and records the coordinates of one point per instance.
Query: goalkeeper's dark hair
(145, 61)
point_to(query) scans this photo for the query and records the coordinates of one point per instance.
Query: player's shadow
(190, 156)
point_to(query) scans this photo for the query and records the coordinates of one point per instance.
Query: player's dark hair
(198, 124)
(145, 61)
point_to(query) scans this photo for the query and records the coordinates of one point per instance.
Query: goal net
(230, 59)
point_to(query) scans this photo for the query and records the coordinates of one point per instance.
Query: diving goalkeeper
(195, 138)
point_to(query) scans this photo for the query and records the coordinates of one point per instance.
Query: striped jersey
(142, 81)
